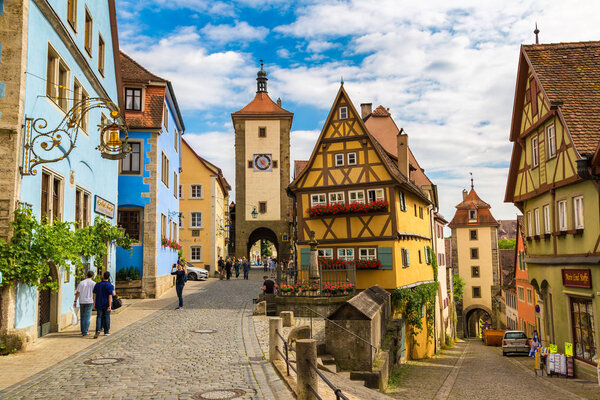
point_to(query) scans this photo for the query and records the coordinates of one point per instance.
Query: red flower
(322, 210)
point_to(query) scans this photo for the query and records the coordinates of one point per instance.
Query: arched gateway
(262, 166)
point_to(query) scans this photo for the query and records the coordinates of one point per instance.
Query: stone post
(306, 354)
(287, 317)
(313, 272)
(275, 325)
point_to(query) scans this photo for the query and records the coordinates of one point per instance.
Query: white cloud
(210, 145)
(283, 53)
(319, 46)
(238, 32)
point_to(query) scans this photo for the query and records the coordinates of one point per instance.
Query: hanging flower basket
(172, 244)
(352, 208)
(368, 264)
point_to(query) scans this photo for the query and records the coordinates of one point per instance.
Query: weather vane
(536, 31)
(472, 185)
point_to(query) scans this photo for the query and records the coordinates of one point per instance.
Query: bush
(11, 342)
(128, 274)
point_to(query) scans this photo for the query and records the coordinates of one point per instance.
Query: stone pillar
(313, 272)
(275, 325)
(306, 354)
(287, 317)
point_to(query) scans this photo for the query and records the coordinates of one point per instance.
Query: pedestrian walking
(85, 294)
(236, 267)
(228, 267)
(103, 295)
(221, 265)
(291, 268)
(272, 267)
(180, 271)
(246, 267)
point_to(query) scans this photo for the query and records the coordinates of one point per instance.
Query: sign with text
(580, 278)
(553, 348)
(569, 349)
(104, 207)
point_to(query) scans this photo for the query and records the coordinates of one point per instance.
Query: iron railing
(337, 391)
(331, 282)
(286, 356)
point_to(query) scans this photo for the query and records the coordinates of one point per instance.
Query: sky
(445, 69)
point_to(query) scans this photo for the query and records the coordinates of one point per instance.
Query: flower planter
(353, 208)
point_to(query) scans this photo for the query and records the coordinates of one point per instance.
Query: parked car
(196, 273)
(515, 342)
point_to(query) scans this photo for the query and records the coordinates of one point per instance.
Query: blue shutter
(386, 257)
(304, 258)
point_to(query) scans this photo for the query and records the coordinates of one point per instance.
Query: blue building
(148, 205)
(62, 52)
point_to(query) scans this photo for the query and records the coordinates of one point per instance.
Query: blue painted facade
(84, 168)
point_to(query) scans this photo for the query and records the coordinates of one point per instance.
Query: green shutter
(305, 258)
(407, 258)
(386, 257)
(427, 256)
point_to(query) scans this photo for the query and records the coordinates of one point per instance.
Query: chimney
(465, 194)
(402, 140)
(279, 101)
(365, 109)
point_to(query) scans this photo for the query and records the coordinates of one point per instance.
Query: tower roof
(472, 202)
(262, 105)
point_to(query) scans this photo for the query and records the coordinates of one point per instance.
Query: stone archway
(262, 234)
(472, 315)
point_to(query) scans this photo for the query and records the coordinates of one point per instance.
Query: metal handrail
(338, 392)
(285, 356)
(315, 393)
(339, 326)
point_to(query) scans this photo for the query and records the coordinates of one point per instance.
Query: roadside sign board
(553, 348)
(569, 349)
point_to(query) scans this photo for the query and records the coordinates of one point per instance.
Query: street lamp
(254, 213)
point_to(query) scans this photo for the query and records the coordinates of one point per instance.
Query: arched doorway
(547, 309)
(476, 317)
(262, 241)
(48, 306)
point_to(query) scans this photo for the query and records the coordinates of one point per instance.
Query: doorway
(48, 306)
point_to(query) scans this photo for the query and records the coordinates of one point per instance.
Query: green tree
(458, 285)
(507, 243)
(265, 248)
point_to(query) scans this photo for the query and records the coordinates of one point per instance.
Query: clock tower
(262, 172)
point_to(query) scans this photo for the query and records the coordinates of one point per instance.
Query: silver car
(515, 342)
(196, 273)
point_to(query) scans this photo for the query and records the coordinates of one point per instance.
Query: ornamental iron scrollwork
(42, 146)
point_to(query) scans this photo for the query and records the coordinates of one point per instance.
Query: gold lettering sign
(581, 278)
(104, 207)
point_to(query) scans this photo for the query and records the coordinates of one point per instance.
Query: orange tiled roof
(473, 202)
(570, 73)
(380, 112)
(262, 104)
(299, 165)
(131, 71)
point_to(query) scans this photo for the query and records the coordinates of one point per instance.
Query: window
(131, 164)
(534, 152)
(345, 254)
(250, 165)
(180, 220)
(529, 224)
(367, 254)
(547, 224)
(529, 296)
(274, 163)
(521, 293)
(336, 198)
(176, 139)
(343, 112)
(164, 175)
(405, 258)
(175, 186)
(195, 253)
(473, 234)
(420, 259)
(375, 195)
(551, 140)
(262, 207)
(476, 292)
(173, 233)
(63, 86)
(339, 160)
(325, 253)
(421, 212)
(474, 253)
(133, 99)
(351, 158)
(536, 221)
(415, 210)
(427, 255)
(79, 94)
(262, 132)
(562, 215)
(181, 191)
(166, 117)
(578, 212)
(472, 214)
(163, 225)
(130, 220)
(402, 201)
(72, 13)
(100, 55)
(88, 32)
(57, 80)
(51, 197)
(318, 199)
(82, 207)
(475, 272)
(356, 196)
(196, 220)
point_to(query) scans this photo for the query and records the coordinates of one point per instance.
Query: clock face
(262, 162)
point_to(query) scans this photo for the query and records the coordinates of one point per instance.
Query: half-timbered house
(553, 180)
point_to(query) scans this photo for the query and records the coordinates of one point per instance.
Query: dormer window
(343, 112)
(472, 214)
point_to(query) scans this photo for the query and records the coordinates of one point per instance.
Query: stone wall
(298, 304)
(149, 287)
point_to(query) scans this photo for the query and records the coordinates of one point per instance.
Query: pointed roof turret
(261, 80)
(473, 211)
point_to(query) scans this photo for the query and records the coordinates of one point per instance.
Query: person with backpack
(180, 271)
(103, 296)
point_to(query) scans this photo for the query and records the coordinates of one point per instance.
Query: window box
(172, 244)
(536, 237)
(353, 208)
(575, 231)
(547, 235)
(368, 264)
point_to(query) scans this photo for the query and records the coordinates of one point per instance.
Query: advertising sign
(579, 278)
(569, 349)
(104, 207)
(553, 348)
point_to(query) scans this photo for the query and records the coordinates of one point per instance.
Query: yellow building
(475, 259)
(362, 205)
(203, 205)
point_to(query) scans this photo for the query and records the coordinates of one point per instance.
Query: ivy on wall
(37, 246)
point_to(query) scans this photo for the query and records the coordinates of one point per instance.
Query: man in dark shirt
(181, 277)
(103, 295)
(268, 286)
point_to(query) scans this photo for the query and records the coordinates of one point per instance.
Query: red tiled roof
(507, 229)
(131, 71)
(473, 202)
(380, 112)
(570, 73)
(263, 105)
(299, 165)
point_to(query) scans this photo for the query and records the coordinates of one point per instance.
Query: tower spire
(536, 31)
(472, 185)
(261, 80)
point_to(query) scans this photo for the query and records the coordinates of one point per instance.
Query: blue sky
(445, 69)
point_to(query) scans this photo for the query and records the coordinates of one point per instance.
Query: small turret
(261, 80)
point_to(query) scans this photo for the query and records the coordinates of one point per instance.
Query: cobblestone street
(171, 354)
(471, 370)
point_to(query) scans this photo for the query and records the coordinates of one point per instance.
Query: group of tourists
(95, 296)
(230, 265)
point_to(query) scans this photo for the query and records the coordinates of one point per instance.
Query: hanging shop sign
(579, 278)
(104, 207)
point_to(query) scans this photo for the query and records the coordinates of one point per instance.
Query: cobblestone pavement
(162, 357)
(474, 371)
